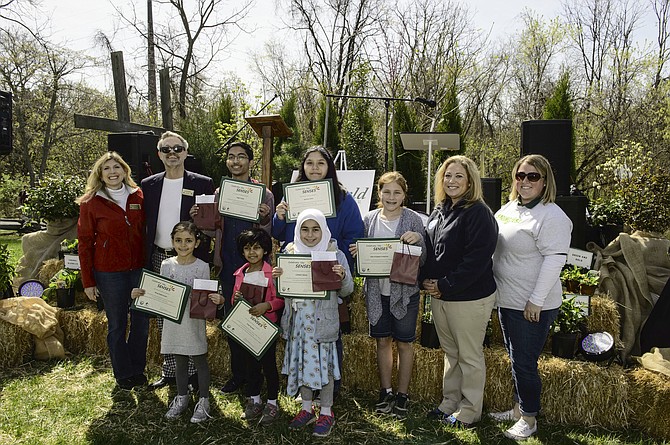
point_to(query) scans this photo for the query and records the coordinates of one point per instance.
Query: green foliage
(607, 211)
(450, 122)
(333, 135)
(570, 317)
(358, 137)
(287, 151)
(9, 195)
(54, 198)
(631, 176)
(427, 312)
(590, 278)
(7, 267)
(69, 246)
(572, 273)
(63, 279)
(409, 162)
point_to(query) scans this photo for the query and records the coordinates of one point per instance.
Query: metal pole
(430, 167)
(386, 136)
(393, 138)
(325, 124)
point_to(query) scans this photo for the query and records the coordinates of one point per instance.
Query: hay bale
(76, 327)
(154, 344)
(357, 311)
(426, 383)
(360, 362)
(650, 402)
(16, 346)
(49, 268)
(498, 389)
(604, 316)
(218, 350)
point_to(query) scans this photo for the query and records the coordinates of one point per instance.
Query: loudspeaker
(553, 140)
(492, 188)
(139, 151)
(6, 140)
(575, 208)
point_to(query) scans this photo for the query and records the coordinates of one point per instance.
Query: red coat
(110, 239)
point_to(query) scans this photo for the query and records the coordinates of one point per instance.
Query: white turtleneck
(120, 196)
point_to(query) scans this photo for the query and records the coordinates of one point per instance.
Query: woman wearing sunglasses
(461, 236)
(533, 242)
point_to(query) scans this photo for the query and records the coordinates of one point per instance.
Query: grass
(76, 402)
(14, 244)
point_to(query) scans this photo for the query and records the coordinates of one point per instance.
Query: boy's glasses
(532, 177)
(167, 149)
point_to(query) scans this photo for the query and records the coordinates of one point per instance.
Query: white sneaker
(201, 411)
(503, 416)
(178, 406)
(521, 430)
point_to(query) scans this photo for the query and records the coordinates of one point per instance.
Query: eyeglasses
(240, 158)
(167, 149)
(532, 176)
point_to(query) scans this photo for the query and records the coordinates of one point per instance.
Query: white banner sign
(360, 183)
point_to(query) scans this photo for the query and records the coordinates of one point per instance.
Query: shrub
(54, 198)
(9, 196)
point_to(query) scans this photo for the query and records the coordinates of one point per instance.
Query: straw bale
(496, 337)
(357, 311)
(360, 362)
(582, 393)
(604, 316)
(154, 344)
(650, 402)
(426, 383)
(498, 389)
(97, 338)
(49, 269)
(76, 327)
(16, 346)
(218, 350)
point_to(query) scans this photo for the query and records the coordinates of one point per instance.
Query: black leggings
(181, 373)
(256, 369)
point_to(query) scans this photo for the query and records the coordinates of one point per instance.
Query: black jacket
(460, 243)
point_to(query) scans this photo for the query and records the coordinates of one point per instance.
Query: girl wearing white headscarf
(310, 328)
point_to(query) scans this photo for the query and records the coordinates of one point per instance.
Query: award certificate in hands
(296, 279)
(375, 255)
(240, 199)
(163, 297)
(309, 195)
(255, 334)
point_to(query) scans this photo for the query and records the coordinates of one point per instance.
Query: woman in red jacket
(111, 254)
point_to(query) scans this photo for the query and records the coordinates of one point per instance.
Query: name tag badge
(187, 192)
(135, 206)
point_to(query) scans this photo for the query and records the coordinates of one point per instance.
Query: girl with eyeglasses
(461, 236)
(533, 243)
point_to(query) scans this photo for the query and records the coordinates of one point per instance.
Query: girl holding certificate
(310, 327)
(188, 338)
(393, 307)
(255, 245)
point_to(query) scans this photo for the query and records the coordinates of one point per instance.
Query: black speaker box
(6, 140)
(139, 151)
(575, 208)
(492, 189)
(551, 139)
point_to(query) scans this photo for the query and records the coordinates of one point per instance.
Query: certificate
(375, 255)
(255, 334)
(163, 297)
(309, 195)
(240, 199)
(296, 279)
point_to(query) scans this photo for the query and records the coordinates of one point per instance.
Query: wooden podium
(268, 126)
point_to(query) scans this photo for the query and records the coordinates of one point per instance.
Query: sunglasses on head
(167, 149)
(532, 177)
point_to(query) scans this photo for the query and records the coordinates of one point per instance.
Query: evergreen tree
(450, 122)
(409, 162)
(333, 135)
(287, 151)
(559, 106)
(358, 138)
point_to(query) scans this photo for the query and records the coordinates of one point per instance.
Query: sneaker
(126, 384)
(521, 430)
(324, 426)
(437, 414)
(504, 416)
(252, 410)
(303, 418)
(269, 414)
(385, 403)
(230, 386)
(201, 411)
(178, 406)
(400, 406)
(453, 422)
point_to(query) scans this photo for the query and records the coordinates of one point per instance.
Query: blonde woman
(461, 236)
(111, 254)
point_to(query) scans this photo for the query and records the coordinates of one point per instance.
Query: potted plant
(607, 216)
(429, 337)
(566, 328)
(7, 270)
(588, 282)
(570, 277)
(62, 284)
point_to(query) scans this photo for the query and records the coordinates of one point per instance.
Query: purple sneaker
(303, 418)
(323, 426)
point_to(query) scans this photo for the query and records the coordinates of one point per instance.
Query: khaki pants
(461, 326)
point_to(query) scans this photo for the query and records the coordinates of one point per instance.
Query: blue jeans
(524, 342)
(401, 330)
(129, 355)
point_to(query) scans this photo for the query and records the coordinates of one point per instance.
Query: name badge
(187, 192)
(135, 206)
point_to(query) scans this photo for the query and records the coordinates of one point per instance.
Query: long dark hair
(338, 189)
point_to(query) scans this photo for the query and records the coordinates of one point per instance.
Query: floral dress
(306, 362)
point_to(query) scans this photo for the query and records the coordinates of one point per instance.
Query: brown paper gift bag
(323, 277)
(405, 267)
(201, 306)
(208, 216)
(253, 293)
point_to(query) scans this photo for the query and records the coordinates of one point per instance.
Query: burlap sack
(50, 347)
(32, 314)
